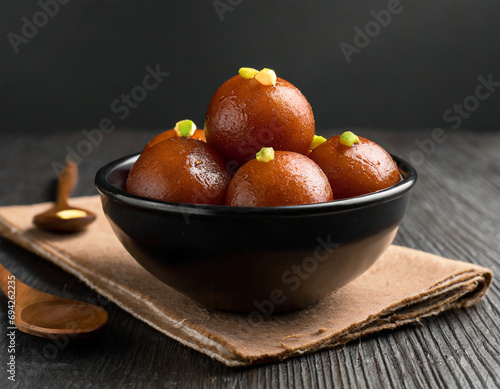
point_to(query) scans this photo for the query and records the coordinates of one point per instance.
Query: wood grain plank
(455, 212)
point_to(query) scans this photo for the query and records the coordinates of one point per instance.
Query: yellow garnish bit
(266, 77)
(348, 139)
(317, 140)
(248, 73)
(266, 154)
(71, 214)
(185, 128)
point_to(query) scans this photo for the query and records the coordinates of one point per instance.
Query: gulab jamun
(278, 178)
(254, 110)
(180, 170)
(355, 165)
(182, 129)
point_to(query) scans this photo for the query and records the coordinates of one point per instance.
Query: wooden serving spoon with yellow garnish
(62, 217)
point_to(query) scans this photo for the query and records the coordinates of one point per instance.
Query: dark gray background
(427, 59)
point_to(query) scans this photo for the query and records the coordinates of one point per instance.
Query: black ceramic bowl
(245, 259)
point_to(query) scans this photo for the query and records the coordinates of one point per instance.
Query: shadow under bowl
(245, 259)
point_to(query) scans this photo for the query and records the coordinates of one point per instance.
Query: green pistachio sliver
(348, 139)
(185, 128)
(248, 73)
(266, 154)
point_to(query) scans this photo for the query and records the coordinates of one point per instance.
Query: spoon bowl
(69, 219)
(62, 317)
(62, 217)
(42, 314)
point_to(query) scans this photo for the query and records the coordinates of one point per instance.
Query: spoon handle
(66, 183)
(14, 289)
(5, 275)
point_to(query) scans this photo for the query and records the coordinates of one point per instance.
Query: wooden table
(455, 212)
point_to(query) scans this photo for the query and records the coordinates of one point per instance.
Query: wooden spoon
(41, 314)
(62, 217)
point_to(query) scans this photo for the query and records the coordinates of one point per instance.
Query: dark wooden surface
(455, 212)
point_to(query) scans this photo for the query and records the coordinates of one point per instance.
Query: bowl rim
(120, 196)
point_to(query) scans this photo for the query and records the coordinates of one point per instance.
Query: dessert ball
(355, 165)
(180, 170)
(254, 110)
(277, 178)
(182, 129)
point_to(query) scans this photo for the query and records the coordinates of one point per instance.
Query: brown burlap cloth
(403, 286)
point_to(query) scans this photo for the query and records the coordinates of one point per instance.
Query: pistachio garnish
(266, 77)
(317, 140)
(348, 139)
(248, 73)
(185, 128)
(266, 154)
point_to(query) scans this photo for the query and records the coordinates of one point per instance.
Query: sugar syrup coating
(289, 179)
(244, 116)
(180, 170)
(362, 168)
